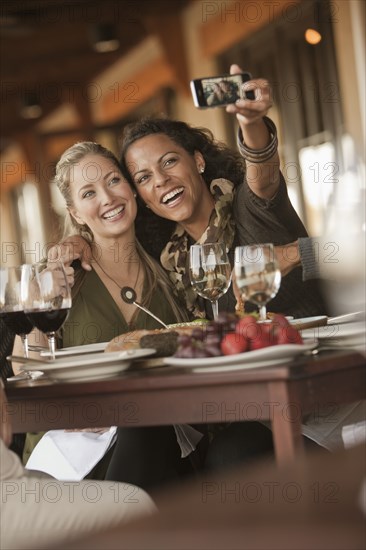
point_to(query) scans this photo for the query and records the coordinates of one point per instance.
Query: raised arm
(257, 137)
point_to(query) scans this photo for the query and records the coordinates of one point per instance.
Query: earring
(148, 207)
(202, 169)
(135, 195)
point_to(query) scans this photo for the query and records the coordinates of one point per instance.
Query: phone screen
(218, 90)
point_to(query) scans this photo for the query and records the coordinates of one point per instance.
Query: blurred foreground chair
(7, 338)
(317, 502)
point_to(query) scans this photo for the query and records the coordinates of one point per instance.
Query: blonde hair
(64, 172)
(154, 274)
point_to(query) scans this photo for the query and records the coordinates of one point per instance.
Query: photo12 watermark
(71, 414)
(269, 492)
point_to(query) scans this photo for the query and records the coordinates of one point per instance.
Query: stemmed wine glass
(210, 272)
(48, 298)
(12, 302)
(257, 274)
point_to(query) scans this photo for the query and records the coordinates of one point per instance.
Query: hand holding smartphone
(213, 91)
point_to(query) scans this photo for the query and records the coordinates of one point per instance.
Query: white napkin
(70, 456)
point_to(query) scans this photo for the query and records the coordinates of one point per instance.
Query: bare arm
(264, 177)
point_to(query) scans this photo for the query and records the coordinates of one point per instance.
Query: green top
(95, 317)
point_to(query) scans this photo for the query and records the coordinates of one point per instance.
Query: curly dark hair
(220, 162)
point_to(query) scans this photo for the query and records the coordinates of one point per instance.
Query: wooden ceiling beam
(82, 106)
(48, 12)
(142, 86)
(46, 48)
(52, 70)
(225, 23)
(169, 29)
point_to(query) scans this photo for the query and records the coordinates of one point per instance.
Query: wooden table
(283, 394)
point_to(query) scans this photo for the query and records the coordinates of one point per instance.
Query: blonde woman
(102, 208)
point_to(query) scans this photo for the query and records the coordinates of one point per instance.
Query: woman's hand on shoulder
(70, 249)
(288, 257)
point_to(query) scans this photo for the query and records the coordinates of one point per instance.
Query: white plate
(305, 320)
(91, 367)
(288, 317)
(347, 318)
(77, 350)
(265, 357)
(342, 332)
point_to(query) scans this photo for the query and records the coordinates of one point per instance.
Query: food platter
(265, 357)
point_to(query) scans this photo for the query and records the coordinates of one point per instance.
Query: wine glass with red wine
(48, 299)
(12, 302)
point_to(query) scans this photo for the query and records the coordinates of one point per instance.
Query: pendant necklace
(128, 295)
(111, 278)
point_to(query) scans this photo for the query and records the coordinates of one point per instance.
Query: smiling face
(169, 181)
(102, 198)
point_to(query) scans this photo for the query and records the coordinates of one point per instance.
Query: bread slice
(165, 341)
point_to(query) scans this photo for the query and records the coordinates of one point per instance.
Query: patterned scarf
(175, 256)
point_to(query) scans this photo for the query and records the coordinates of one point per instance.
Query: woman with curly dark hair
(209, 193)
(152, 229)
(195, 189)
(220, 159)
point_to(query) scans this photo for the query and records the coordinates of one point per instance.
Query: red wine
(48, 320)
(17, 321)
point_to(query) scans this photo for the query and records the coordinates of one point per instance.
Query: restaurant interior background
(76, 70)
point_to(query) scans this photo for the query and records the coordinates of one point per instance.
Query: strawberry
(233, 343)
(246, 326)
(288, 335)
(262, 338)
(280, 320)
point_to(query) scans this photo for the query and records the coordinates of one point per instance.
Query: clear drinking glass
(210, 271)
(257, 274)
(12, 302)
(48, 299)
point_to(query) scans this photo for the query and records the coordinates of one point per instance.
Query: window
(307, 107)
(31, 237)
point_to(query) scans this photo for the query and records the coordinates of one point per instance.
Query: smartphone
(214, 91)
